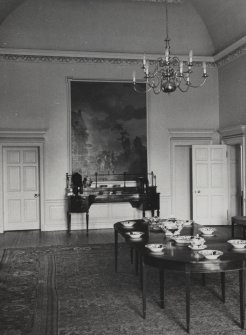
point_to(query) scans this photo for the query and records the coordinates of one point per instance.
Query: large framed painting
(108, 128)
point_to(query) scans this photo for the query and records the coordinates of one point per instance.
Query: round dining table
(181, 258)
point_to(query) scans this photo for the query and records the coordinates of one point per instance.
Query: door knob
(36, 195)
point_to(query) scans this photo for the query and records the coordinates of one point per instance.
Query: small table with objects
(181, 252)
(238, 221)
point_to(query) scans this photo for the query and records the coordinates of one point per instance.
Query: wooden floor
(36, 238)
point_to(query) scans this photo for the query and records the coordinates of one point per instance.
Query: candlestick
(134, 77)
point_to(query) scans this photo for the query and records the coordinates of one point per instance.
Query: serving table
(140, 192)
(184, 260)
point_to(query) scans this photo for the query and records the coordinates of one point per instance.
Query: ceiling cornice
(231, 53)
(169, 1)
(52, 56)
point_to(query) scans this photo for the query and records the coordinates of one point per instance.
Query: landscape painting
(108, 128)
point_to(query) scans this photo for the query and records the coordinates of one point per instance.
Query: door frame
(184, 137)
(237, 136)
(15, 138)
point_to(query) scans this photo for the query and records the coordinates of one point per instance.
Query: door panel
(209, 184)
(14, 210)
(14, 179)
(29, 178)
(21, 188)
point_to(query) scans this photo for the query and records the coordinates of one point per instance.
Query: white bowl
(155, 247)
(211, 254)
(135, 234)
(238, 244)
(184, 239)
(170, 225)
(207, 230)
(128, 224)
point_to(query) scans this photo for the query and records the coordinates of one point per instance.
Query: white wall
(34, 95)
(232, 81)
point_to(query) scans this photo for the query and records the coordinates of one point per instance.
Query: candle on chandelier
(204, 65)
(190, 56)
(147, 68)
(181, 67)
(144, 60)
(167, 55)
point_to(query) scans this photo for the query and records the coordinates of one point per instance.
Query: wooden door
(21, 188)
(209, 184)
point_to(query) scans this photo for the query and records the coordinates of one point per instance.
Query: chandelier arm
(200, 85)
(157, 91)
(141, 91)
(183, 90)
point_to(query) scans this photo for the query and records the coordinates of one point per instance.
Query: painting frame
(130, 110)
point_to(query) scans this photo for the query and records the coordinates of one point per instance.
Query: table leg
(187, 285)
(115, 250)
(131, 251)
(242, 296)
(162, 288)
(87, 222)
(136, 262)
(222, 278)
(141, 270)
(144, 289)
(232, 229)
(68, 221)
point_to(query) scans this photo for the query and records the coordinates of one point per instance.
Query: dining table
(180, 258)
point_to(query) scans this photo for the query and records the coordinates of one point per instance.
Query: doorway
(182, 182)
(200, 190)
(235, 180)
(21, 188)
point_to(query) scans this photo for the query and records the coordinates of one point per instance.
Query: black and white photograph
(122, 167)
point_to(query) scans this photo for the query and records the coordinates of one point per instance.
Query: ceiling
(213, 24)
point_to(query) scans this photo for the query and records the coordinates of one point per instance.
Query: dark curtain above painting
(108, 121)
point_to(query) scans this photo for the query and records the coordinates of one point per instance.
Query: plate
(197, 248)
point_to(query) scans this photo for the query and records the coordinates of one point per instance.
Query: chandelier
(169, 72)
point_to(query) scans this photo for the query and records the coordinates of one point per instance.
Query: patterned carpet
(75, 291)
